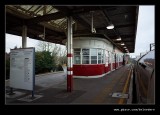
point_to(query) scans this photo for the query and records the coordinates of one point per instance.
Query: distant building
(94, 57)
(126, 58)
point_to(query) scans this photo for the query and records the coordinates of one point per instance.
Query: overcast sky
(145, 29)
(145, 32)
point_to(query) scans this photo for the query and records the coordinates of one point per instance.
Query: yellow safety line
(121, 101)
(100, 98)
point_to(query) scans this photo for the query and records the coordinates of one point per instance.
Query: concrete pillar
(69, 56)
(24, 36)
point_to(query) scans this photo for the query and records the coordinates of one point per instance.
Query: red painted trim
(88, 69)
(108, 68)
(69, 68)
(116, 65)
(113, 66)
(69, 83)
(69, 55)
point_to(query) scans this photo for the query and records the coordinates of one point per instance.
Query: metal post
(33, 91)
(11, 91)
(115, 61)
(33, 94)
(92, 22)
(69, 56)
(24, 36)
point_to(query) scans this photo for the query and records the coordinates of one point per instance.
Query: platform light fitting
(119, 39)
(122, 44)
(94, 30)
(110, 26)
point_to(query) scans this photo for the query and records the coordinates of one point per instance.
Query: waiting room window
(85, 56)
(77, 56)
(93, 56)
(99, 56)
(102, 56)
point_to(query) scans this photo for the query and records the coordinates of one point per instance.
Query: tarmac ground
(51, 88)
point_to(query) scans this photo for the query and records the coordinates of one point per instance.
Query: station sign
(22, 64)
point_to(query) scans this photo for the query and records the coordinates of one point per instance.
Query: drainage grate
(14, 95)
(29, 98)
(120, 95)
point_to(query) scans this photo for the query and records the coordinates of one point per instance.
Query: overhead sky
(145, 32)
(145, 29)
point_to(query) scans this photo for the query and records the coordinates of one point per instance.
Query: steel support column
(69, 56)
(24, 36)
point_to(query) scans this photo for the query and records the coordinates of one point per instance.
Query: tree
(44, 62)
(63, 57)
(57, 52)
(44, 46)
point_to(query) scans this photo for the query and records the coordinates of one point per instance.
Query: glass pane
(85, 57)
(93, 61)
(99, 51)
(85, 51)
(102, 60)
(99, 61)
(99, 57)
(93, 52)
(77, 59)
(102, 52)
(76, 53)
(77, 49)
(93, 57)
(85, 60)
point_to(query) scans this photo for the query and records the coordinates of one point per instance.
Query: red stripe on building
(88, 69)
(69, 55)
(69, 68)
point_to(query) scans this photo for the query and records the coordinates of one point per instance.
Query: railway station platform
(113, 88)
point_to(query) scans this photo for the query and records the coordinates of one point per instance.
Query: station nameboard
(22, 74)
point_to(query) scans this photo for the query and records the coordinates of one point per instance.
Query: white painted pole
(69, 56)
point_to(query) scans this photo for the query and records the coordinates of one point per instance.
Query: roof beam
(82, 22)
(74, 15)
(13, 11)
(114, 43)
(45, 18)
(17, 22)
(124, 25)
(109, 21)
(79, 10)
(41, 29)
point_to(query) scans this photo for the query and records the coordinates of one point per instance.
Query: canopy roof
(52, 20)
